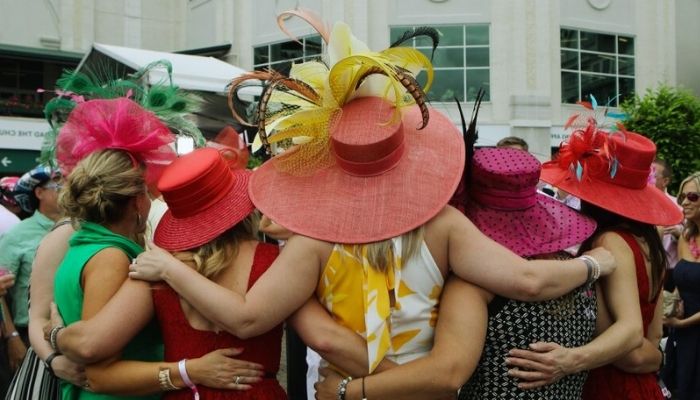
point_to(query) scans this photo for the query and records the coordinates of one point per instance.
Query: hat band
(627, 177)
(191, 199)
(372, 159)
(498, 199)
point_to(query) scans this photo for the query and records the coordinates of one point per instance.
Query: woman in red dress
(209, 226)
(609, 174)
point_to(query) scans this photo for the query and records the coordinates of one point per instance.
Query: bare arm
(549, 362)
(217, 369)
(105, 333)
(459, 339)
(48, 256)
(337, 344)
(647, 357)
(476, 258)
(281, 290)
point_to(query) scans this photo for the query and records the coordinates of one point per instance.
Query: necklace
(694, 250)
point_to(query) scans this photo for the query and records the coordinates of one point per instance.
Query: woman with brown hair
(609, 172)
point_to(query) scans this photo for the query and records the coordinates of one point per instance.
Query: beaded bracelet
(343, 387)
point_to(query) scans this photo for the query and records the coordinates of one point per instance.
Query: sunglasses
(691, 196)
(53, 185)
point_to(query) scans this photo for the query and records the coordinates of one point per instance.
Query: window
(461, 61)
(598, 64)
(281, 56)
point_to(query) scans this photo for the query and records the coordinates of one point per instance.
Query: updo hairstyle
(100, 187)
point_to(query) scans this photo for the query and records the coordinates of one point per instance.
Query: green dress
(147, 345)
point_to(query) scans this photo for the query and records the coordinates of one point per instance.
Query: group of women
(403, 295)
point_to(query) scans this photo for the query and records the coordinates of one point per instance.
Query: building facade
(535, 58)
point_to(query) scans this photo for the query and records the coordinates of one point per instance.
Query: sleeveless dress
(402, 332)
(610, 383)
(568, 320)
(686, 366)
(183, 341)
(68, 295)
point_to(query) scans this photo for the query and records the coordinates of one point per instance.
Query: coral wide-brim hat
(613, 177)
(387, 177)
(505, 205)
(205, 198)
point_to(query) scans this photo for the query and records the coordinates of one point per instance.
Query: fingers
(515, 354)
(324, 372)
(543, 346)
(527, 364)
(528, 375)
(533, 385)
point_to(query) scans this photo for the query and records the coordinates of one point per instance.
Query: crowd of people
(415, 266)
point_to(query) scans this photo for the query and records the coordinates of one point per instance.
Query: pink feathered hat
(505, 205)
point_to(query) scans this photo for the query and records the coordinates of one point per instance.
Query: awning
(37, 53)
(208, 76)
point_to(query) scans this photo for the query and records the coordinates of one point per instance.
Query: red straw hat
(611, 171)
(205, 198)
(385, 179)
(505, 205)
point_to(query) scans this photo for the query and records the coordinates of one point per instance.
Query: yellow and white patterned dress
(357, 296)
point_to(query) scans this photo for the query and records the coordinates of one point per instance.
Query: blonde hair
(380, 255)
(691, 229)
(213, 257)
(100, 187)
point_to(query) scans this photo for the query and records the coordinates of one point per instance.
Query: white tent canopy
(207, 74)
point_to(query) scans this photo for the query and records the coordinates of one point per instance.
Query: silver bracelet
(53, 338)
(592, 267)
(343, 387)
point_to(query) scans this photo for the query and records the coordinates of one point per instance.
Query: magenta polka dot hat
(505, 205)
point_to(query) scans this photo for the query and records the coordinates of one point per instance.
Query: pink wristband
(186, 378)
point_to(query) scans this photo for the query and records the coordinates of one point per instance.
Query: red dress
(183, 341)
(609, 382)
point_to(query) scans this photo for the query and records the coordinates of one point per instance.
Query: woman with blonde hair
(685, 337)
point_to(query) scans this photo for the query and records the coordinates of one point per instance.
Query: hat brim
(334, 206)
(547, 227)
(177, 234)
(648, 205)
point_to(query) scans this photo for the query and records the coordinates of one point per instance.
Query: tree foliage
(671, 118)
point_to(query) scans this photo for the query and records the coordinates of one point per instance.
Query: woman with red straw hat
(365, 190)
(209, 226)
(608, 172)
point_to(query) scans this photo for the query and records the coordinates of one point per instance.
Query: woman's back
(187, 334)
(610, 382)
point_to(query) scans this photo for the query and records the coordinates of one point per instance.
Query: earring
(138, 219)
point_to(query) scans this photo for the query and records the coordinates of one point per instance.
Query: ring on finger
(238, 380)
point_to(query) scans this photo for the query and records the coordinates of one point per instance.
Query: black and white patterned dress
(568, 321)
